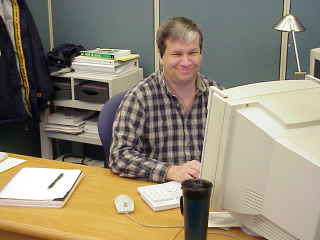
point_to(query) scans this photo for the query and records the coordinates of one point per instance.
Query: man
(159, 130)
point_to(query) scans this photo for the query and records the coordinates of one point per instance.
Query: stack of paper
(40, 187)
(10, 162)
(64, 128)
(3, 156)
(68, 120)
(71, 117)
(105, 61)
(105, 68)
(91, 126)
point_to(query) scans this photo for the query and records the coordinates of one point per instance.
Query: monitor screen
(261, 152)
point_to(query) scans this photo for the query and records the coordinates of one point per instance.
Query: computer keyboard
(161, 196)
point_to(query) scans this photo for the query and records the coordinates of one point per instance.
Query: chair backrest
(105, 122)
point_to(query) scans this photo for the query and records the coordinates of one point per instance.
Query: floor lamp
(290, 23)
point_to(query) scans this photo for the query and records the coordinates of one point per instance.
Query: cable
(176, 235)
(177, 226)
(225, 234)
(216, 233)
(151, 226)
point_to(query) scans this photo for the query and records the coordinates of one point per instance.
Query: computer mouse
(124, 203)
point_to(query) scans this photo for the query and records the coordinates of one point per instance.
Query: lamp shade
(289, 23)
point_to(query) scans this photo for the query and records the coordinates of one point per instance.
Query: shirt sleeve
(128, 157)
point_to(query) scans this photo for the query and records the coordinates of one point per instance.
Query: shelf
(116, 83)
(97, 77)
(83, 137)
(78, 104)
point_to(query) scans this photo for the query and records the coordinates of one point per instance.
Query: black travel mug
(194, 205)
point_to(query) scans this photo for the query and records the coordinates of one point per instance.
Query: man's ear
(161, 60)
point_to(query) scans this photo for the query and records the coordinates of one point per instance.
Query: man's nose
(186, 60)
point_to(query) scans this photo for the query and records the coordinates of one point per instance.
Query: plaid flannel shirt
(151, 133)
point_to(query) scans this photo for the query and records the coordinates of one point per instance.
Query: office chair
(105, 122)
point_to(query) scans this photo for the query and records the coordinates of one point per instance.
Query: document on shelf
(70, 117)
(64, 128)
(40, 187)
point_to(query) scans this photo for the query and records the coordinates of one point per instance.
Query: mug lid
(196, 184)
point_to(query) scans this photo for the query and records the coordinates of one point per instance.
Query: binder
(40, 187)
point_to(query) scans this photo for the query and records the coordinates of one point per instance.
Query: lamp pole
(296, 50)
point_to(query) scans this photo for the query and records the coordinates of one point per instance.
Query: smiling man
(159, 129)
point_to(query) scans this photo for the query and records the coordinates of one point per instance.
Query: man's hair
(178, 28)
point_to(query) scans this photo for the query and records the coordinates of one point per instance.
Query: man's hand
(180, 173)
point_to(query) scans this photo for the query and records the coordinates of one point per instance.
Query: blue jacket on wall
(25, 84)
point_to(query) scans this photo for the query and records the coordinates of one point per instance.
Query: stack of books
(113, 61)
(68, 121)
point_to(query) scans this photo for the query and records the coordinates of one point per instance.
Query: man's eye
(194, 53)
(176, 54)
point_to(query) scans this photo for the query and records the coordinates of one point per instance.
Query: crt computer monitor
(262, 154)
(315, 62)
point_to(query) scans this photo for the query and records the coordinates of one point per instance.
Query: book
(128, 57)
(40, 187)
(96, 60)
(105, 61)
(93, 67)
(106, 53)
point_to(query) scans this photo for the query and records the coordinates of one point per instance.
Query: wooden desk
(90, 212)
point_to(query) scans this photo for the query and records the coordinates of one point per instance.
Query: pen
(55, 181)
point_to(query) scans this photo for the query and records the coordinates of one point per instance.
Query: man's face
(181, 61)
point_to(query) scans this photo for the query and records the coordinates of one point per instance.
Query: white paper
(32, 183)
(10, 163)
(3, 156)
(222, 220)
